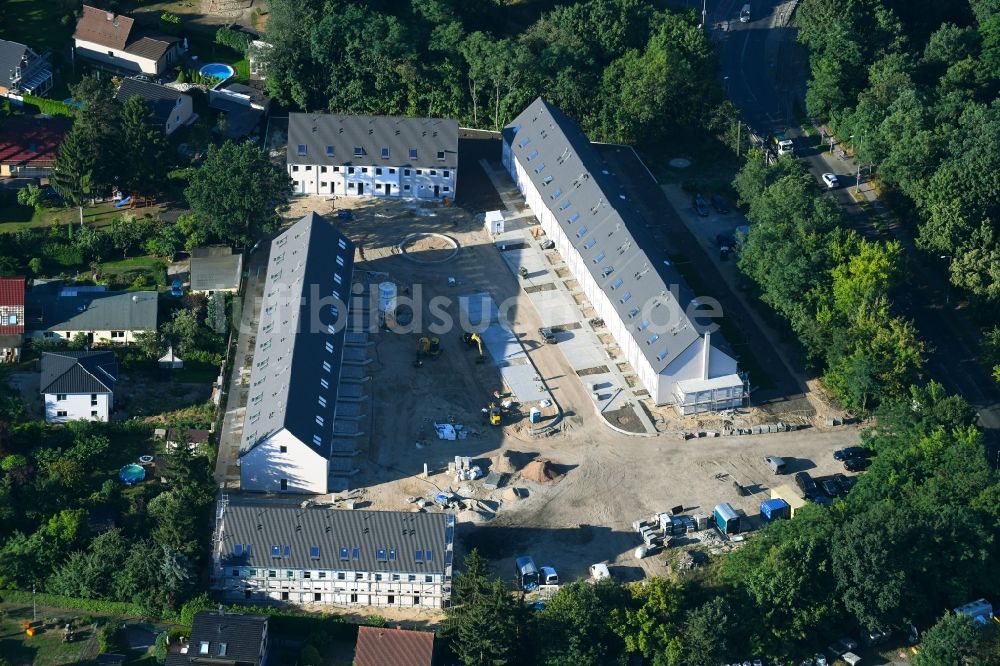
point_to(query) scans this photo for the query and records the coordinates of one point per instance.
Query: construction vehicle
(427, 346)
(473, 340)
(785, 145)
(494, 414)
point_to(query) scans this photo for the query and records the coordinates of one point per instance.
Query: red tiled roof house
(11, 318)
(382, 646)
(28, 146)
(114, 40)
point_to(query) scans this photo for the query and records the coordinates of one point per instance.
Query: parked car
(848, 644)
(845, 482)
(830, 487)
(720, 204)
(856, 464)
(547, 244)
(806, 484)
(549, 576)
(700, 205)
(775, 464)
(599, 571)
(831, 181)
(547, 335)
(819, 660)
(851, 452)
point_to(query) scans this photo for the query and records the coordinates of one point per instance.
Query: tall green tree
(236, 190)
(143, 149)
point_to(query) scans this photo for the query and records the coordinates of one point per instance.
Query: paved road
(765, 72)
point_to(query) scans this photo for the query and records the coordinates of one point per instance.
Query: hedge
(234, 39)
(90, 605)
(53, 107)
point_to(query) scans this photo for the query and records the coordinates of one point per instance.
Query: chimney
(704, 355)
(111, 17)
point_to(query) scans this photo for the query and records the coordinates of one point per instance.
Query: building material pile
(540, 470)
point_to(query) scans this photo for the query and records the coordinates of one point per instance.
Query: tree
(577, 626)
(953, 641)
(143, 148)
(73, 171)
(649, 625)
(31, 195)
(235, 192)
(483, 619)
(703, 643)
(182, 332)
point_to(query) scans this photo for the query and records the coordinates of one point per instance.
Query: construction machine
(428, 346)
(494, 414)
(473, 340)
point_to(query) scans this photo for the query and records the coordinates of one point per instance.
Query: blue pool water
(218, 70)
(131, 474)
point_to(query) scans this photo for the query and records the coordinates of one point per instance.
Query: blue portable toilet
(775, 509)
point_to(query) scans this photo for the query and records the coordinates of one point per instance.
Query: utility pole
(857, 180)
(34, 607)
(704, 14)
(739, 127)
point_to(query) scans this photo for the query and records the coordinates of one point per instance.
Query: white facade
(95, 337)
(372, 180)
(65, 407)
(181, 115)
(282, 463)
(120, 58)
(688, 365)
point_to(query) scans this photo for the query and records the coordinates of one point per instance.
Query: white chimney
(706, 350)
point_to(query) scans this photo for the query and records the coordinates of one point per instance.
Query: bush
(181, 76)
(110, 635)
(31, 196)
(98, 606)
(160, 647)
(50, 106)
(310, 656)
(234, 39)
(192, 606)
(170, 23)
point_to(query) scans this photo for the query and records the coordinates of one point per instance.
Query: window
(223, 647)
(420, 171)
(411, 578)
(322, 574)
(532, 155)
(317, 596)
(289, 574)
(317, 440)
(406, 172)
(314, 552)
(378, 171)
(322, 169)
(271, 573)
(358, 575)
(643, 325)
(319, 420)
(284, 596)
(385, 153)
(428, 579)
(564, 205)
(447, 174)
(350, 170)
(447, 189)
(406, 187)
(93, 399)
(60, 397)
(440, 154)
(392, 555)
(203, 648)
(355, 553)
(238, 550)
(380, 555)
(546, 180)
(573, 218)
(599, 258)
(283, 449)
(236, 573)
(557, 193)
(344, 554)
(364, 169)
(12, 321)
(652, 339)
(93, 414)
(524, 142)
(392, 171)
(428, 555)
(307, 574)
(582, 232)
(309, 168)
(60, 413)
(413, 153)
(284, 484)
(295, 167)
(341, 575)
(302, 149)
(626, 297)
(617, 283)
(359, 151)
(114, 334)
(326, 366)
(329, 347)
(329, 151)
(540, 168)
(322, 401)
(418, 556)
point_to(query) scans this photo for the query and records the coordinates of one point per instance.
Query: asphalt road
(764, 71)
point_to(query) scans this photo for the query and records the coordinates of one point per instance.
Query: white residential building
(268, 552)
(288, 426)
(112, 39)
(170, 108)
(56, 311)
(78, 385)
(379, 156)
(643, 300)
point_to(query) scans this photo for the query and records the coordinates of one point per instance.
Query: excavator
(494, 414)
(473, 340)
(428, 346)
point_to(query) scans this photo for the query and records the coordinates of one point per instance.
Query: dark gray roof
(216, 272)
(150, 47)
(161, 100)
(376, 535)
(318, 131)
(590, 207)
(241, 634)
(306, 295)
(11, 55)
(78, 372)
(91, 308)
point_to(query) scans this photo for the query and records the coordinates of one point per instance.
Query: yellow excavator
(473, 340)
(428, 346)
(494, 414)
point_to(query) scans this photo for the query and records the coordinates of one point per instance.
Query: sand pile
(540, 470)
(503, 463)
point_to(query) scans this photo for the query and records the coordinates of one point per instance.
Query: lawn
(39, 23)
(16, 217)
(46, 647)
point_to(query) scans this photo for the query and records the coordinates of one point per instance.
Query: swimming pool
(218, 70)
(131, 474)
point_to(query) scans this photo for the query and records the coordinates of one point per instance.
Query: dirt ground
(608, 479)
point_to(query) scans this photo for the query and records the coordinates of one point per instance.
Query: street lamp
(857, 180)
(947, 281)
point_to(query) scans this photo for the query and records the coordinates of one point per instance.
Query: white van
(745, 13)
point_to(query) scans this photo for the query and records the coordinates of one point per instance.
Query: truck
(784, 145)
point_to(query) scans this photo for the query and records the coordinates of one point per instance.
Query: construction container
(775, 509)
(791, 497)
(726, 518)
(535, 415)
(700, 521)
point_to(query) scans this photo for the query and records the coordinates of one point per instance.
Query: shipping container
(775, 509)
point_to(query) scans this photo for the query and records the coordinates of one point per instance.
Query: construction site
(517, 413)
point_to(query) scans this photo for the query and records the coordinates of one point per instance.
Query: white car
(599, 571)
(831, 181)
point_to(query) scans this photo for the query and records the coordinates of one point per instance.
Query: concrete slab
(524, 382)
(581, 350)
(556, 308)
(502, 346)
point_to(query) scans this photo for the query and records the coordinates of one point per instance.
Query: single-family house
(11, 318)
(288, 426)
(28, 146)
(646, 304)
(387, 646)
(170, 108)
(78, 385)
(219, 638)
(23, 71)
(114, 40)
(57, 311)
(268, 551)
(381, 156)
(216, 268)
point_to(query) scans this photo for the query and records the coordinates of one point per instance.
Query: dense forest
(626, 70)
(915, 537)
(916, 82)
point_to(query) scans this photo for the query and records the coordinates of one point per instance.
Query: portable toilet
(726, 518)
(535, 415)
(775, 509)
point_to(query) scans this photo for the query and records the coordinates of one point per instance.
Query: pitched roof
(218, 271)
(589, 205)
(12, 296)
(152, 48)
(11, 56)
(160, 99)
(78, 372)
(300, 336)
(92, 309)
(28, 141)
(383, 646)
(321, 132)
(353, 540)
(103, 27)
(223, 638)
